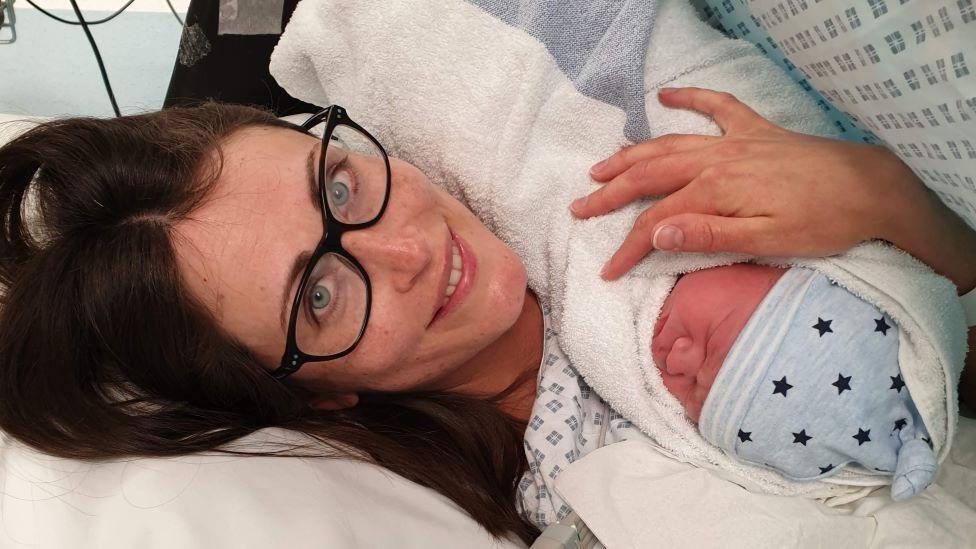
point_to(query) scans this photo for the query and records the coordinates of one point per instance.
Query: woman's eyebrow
(296, 268)
(302, 259)
(313, 182)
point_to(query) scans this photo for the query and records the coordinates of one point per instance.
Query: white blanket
(690, 508)
(483, 109)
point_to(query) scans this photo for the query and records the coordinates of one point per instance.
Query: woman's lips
(464, 284)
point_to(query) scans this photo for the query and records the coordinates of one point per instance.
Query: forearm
(931, 232)
(927, 229)
(967, 385)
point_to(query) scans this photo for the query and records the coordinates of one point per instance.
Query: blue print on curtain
(734, 19)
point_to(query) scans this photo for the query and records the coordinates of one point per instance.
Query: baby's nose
(685, 358)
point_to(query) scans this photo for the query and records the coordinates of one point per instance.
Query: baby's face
(700, 321)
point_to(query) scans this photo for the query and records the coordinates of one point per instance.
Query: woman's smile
(460, 267)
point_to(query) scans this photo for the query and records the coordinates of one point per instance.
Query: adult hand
(758, 189)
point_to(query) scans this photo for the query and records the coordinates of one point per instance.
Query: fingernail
(603, 271)
(667, 91)
(667, 237)
(578, 204)
(598, 167)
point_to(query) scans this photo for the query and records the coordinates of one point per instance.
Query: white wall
(51, 71)
(105, 5)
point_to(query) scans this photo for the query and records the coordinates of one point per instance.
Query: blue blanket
(599, 45)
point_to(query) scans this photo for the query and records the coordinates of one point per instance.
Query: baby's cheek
(696, 401)
(679, 386)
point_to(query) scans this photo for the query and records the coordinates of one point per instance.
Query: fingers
(640, 240)
(623, 159)
(727, 111)
(656, 176)
(691, 232)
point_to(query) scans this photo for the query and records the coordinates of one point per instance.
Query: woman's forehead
(236, 249)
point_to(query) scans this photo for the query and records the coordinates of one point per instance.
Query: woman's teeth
(455, 272)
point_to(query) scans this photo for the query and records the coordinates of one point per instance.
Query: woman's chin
(506, 291)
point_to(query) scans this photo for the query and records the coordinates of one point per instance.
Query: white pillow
(211, 501)
(12, 125)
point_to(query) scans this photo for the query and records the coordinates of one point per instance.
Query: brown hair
(105, 353)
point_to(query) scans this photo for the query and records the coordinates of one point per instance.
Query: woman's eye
(319, 298)
(341, 184)
(338, 193)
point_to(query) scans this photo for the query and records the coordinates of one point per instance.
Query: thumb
(694, 232)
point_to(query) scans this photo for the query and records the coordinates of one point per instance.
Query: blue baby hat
(812, 385)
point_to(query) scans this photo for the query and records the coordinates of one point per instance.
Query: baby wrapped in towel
(786, 370)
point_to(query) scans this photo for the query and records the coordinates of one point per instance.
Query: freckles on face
(237, 250)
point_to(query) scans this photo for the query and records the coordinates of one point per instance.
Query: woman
(143, 311)
(199, 221)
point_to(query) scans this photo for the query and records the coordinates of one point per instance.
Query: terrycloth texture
(598, 44)
(484, 110)
(812, 385)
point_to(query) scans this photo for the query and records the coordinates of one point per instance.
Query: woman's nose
(399, 257)
(685, 358)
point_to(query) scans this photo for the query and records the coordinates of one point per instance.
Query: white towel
(483, 109)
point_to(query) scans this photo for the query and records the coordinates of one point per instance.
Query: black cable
(172, 9)
(98, 56)
(65, 21)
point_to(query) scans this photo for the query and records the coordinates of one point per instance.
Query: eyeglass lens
(355, 178)
(333, 305)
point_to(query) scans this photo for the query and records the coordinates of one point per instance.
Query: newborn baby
(783, 369)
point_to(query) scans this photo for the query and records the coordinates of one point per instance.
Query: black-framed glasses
(331, 306)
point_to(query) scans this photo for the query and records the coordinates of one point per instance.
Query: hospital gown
(568, 421)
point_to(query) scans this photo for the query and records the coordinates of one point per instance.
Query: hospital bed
(221, 501)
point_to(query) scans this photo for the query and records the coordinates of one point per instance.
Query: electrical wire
(89, 23)
(98, 56)
(91, 40)
(172, 9)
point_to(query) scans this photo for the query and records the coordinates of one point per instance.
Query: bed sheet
(632, 495)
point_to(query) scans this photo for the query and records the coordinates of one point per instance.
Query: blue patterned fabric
(812, 385)
(569, 420)
(599, 44)
(734, 19)
(901, 69)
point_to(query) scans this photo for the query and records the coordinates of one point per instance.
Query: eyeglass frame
(294, 358)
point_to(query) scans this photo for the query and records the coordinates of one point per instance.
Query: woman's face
(238, 249)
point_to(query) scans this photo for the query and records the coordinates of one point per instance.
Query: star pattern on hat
(881, 326)
(801, 438)
(823, 326)
(897, 383)
(843, 383)
(781, 387)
